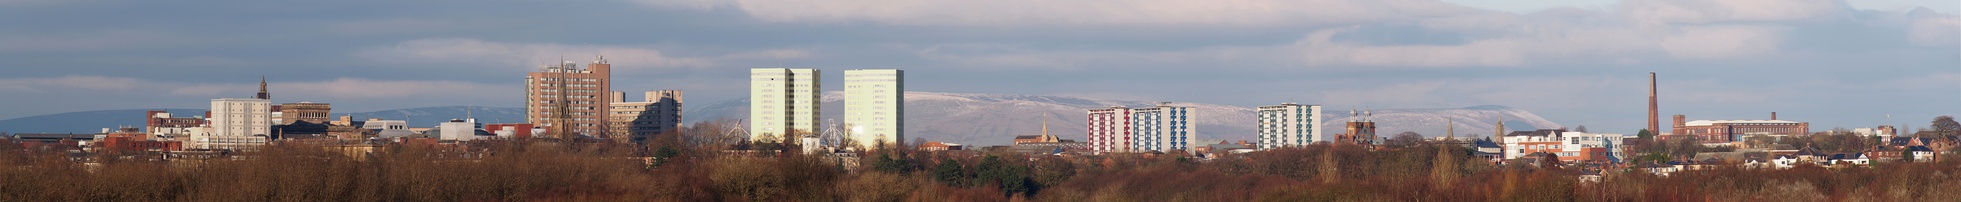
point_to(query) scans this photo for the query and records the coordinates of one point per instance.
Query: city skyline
(1831, 63)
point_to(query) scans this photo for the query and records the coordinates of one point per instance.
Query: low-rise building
(162, 124)
(940, 146)
(1728, 131)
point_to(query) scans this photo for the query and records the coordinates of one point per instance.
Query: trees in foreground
(534, 171)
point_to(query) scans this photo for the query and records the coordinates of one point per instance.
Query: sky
(1583, 62)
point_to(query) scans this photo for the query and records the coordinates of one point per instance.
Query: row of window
(574, 80)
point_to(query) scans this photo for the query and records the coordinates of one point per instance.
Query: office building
(875, 107)
(784, 103)
(570, 101)
(1289, 125)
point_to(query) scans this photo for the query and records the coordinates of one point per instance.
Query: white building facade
(1289, 125)
(1576, 141)
(1163, 128)
(783, 102)
(875, 107)
(236, 123)
(1110, 130)
(459, 130)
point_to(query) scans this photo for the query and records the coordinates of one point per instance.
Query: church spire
(1045, 130)
(1451, 132)
(262, 89)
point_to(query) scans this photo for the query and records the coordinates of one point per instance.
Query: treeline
(686, 171)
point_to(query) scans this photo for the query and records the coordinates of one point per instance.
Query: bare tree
(1405, 139)
(1581, 128)
(1945, 125)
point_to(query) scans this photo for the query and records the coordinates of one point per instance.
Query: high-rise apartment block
(875, 106)
(570, 101)
(1164, 128)
(636, 121)
(1110, 130)
(237, 123)
(1289, 125)
(1161, 128)
(783, 103)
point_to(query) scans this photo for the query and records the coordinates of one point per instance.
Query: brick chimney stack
(1773, 116)
(1654, 114)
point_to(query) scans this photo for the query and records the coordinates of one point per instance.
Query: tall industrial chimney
(1654, 114)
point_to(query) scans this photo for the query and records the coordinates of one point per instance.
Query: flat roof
(1713, 122)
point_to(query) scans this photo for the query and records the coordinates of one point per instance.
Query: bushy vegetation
(699, 169)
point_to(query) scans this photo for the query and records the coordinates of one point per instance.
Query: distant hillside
(94, 121)
(994, 119)
(85, 122)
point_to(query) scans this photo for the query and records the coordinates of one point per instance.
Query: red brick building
(517, 130)
(565, 96)
(1726, 131)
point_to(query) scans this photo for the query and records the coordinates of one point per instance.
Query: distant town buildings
(1728, 131)
(163, 124)
(513, 130)
(458, 129)
(237, 122)
(570, 100)
(636, 121)
(875, 106)
(1289, 125)
(1569, 146)
(784, 103)
(1047, 141)
(315, 113)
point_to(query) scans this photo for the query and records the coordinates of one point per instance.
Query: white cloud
(1637, 31)
(1936, 31)
(393, 26)
(1722, 41)
(1025, 12)
(1652, 12)
(528, 55)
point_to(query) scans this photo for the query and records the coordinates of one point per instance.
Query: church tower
(262, 90)
(1500, 132)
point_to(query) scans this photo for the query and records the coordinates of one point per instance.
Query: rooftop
(1714, 122)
